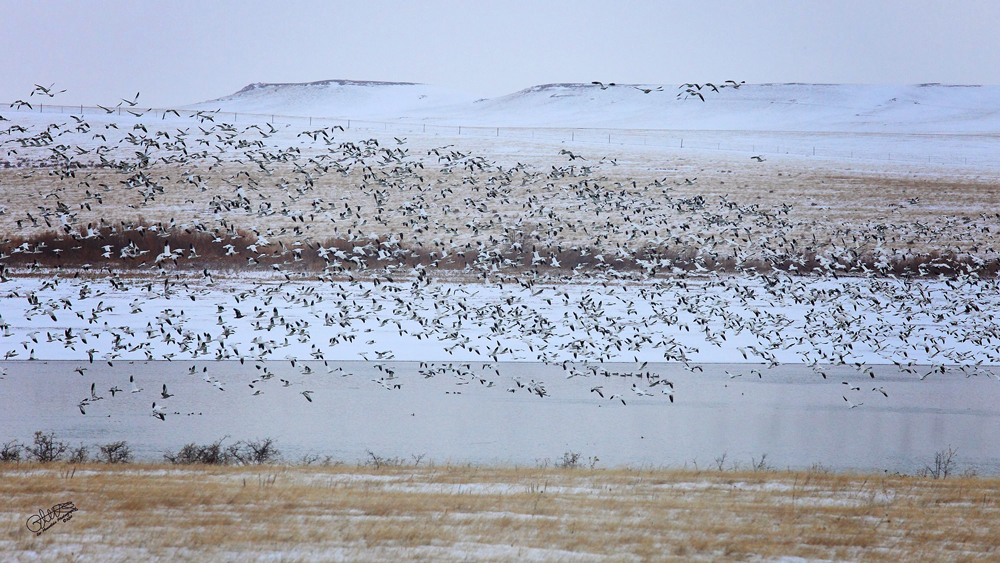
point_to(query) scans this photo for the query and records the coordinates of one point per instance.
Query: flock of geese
(447, 251)
(694, 90)
(690, 90)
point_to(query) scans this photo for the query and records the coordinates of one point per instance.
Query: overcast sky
(179, 52)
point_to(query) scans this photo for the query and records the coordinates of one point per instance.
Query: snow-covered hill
(341, 98)
(752, 107)
(924, 108)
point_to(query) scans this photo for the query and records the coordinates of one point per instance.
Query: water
(790, 413)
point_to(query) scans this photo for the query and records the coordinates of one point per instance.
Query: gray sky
(181, 52)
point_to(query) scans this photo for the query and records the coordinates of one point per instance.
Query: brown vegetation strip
(139, 246)
(210, 513)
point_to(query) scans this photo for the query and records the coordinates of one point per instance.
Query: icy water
(465, 413)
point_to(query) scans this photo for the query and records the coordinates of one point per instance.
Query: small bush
(720, 462)
(760, 464)
(820, 469)
(209, 454)
(378, 462)
(10, 452)
(944, 464)
(45, 448)
(315, 459)
(115, 452)
(253, 452)
(79, 455)
(570, 460)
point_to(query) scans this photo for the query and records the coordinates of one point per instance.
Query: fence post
(459, 129)
(498, 131)
(609, 138)
(572, 135)
(348, 123)
(682, 143)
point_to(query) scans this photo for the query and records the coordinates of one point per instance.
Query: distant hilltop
(916, 108)
(339, 82)
(370, 99)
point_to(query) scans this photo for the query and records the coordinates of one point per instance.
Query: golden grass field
(447, 513)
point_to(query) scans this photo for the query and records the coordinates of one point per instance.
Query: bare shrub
(570, 460)
(209, 454)
(309, 459)
(10, 452)
(944, 464)
(45, 448)
(253, 452)
(115, 452)
(378, 462)
(575, 460)
(720, 462)
(760, 464)
(316, 459)
(79, 454)
(819, 469)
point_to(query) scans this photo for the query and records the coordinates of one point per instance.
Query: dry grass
(460, 513)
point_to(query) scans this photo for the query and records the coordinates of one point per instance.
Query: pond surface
(465, 413)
